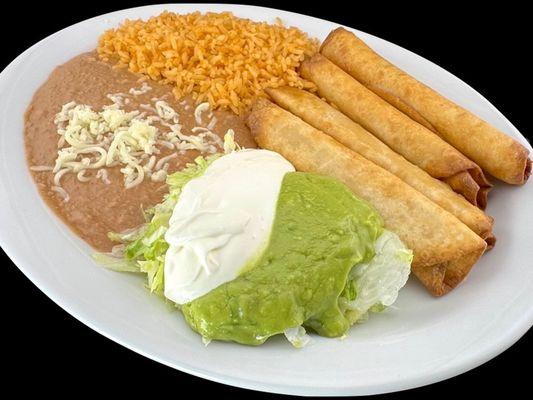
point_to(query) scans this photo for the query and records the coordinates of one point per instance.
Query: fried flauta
(412, 140)
(327, 119)
(495, 152)
(444, 248)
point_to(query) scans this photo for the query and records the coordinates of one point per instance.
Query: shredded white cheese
(81, 176)
(166, 143)
(144, 89)
(98, 139)
(212, 123)
(164, 160)
(58, 175)
(102, 174)
(166, 112)
(41, 168)
(197, 129)
(159, 176)
(62, 192)
(198, 112)
(117, 99)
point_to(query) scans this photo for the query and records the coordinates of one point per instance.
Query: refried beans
(96, 208)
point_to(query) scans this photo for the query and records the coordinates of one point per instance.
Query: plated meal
(263, 182)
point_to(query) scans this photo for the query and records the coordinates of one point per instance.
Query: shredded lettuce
(115, 263)
(297, 336)
(373, 286)
(129, 235)
(229, 142)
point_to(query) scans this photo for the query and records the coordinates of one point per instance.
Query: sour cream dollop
(222, 220)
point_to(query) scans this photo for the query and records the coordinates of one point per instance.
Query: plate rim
(512, 334)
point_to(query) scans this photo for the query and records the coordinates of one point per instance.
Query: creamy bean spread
(92, 196)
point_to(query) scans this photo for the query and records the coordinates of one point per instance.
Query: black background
(48, 350)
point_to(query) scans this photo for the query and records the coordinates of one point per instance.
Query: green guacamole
(320, 231)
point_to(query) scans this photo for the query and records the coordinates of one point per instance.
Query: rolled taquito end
(527, 171)
(484, 187)
(476, 192)
(334, 123)
(490, 239)
(442, 278)
(495, 152)
(444, 248)
(413, 141)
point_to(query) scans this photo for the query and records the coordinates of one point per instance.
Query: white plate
(419, 341)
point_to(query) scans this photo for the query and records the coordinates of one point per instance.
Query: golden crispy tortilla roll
(400, 105)
(444, 248)
(494, 151)
(408, 138)
(327, 119)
